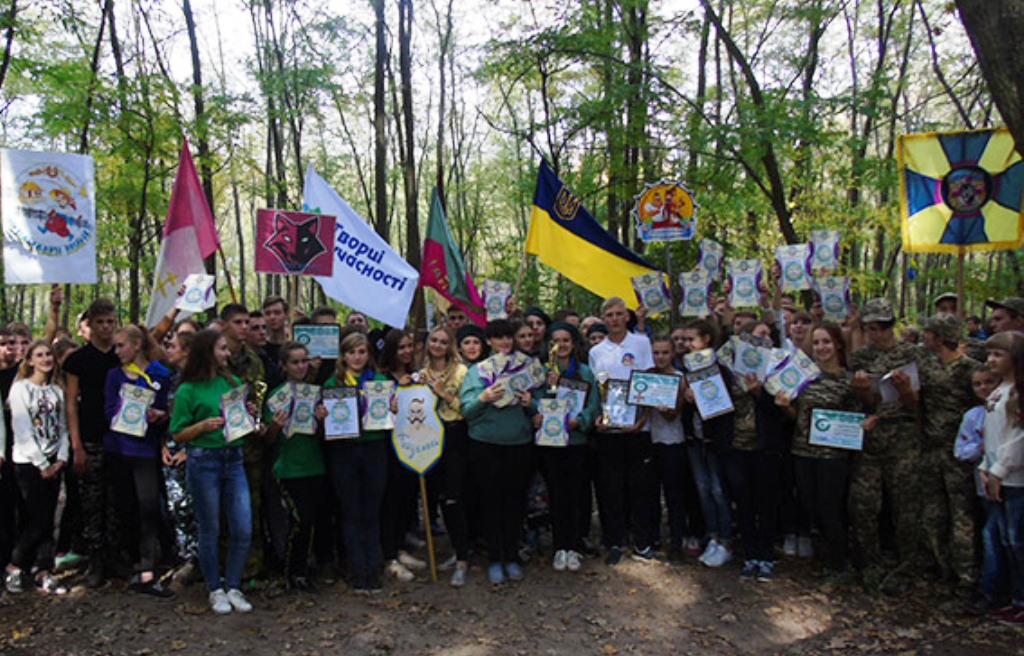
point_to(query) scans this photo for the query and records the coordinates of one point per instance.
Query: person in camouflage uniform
(889, 465)
(246, 364)
(947, 485)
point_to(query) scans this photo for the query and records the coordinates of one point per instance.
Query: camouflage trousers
(254, 467)
(892, 475)
(98, 520)
(948, 510)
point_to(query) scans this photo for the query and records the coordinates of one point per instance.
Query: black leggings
(502, 474)
(304, 498)
(822, 484)
(629, 488)
(139, 505)
(451, 474)
(564, 471)
(399, 511)
(754, 479)
(35, 544)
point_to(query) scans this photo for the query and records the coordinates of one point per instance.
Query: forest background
(779, 115)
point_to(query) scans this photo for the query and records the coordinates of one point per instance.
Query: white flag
(49, 217)
(368, 275)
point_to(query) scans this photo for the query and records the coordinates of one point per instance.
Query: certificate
(574, 393)
(617, 409)
(888, 390)
(750, 359)
(652, 293)
(237, 421)
(746, 283)
(198, 294)
(282, 399)
(824, 251)
(699, 359)
(342, 421)
(792, 376)
(496, 295)
(834, 294)
(528, 376)
(837, 429)
(131, 415)
(654, 390)
(793, 261)
(377, 401)
(710, 393)
(302, 420)
(696, 288)
(554, 420)
(709, 258)
(320, 341)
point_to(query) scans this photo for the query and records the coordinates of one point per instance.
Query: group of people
(937, 487)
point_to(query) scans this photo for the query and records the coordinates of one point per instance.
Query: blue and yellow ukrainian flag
(960, 191)
(567, 238)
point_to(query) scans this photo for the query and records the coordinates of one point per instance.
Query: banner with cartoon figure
(665, 211)
(49, 217)
(418, 438)
(298, 243)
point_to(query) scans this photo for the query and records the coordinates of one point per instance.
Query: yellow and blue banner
(960, 191)
(567, 238)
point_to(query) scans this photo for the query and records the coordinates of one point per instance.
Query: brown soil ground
(636, 608)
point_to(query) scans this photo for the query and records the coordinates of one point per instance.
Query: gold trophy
(553, 366)
(602, 386)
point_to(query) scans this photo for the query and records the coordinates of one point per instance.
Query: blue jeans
(359, 472)
(217, 483)
(714, 500)
(1006, 517)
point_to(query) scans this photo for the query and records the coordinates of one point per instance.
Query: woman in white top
(40, 429)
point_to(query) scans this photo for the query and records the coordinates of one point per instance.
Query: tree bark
(380, 140)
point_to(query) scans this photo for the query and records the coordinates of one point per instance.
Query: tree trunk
(413, 253)
(380, 140)
(202, 120)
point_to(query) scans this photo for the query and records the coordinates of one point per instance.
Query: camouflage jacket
(247, 365)
(831, 391)
(878, 362)
(946, 394)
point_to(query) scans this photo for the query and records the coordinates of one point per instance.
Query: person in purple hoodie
(135, 459)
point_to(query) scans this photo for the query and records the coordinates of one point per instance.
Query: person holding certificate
(625, 464)
(402, 489)
(668, 439)
(299, 467)
(822, 472)
(214, 469)
(358, 468)
(564, 468)
(500, 454)
(134, 458)
(444, 374)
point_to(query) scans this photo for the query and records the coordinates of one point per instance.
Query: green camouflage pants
(948, 500)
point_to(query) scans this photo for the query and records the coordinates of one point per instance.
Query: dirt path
(638, 608)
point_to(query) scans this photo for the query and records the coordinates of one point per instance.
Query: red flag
(443, 268)
(190, 236)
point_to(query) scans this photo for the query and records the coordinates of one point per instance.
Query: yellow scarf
(133, 368)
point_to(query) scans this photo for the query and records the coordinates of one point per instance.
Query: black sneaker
(645, 555)
(373, 583)
(152, 588)
(614, 557)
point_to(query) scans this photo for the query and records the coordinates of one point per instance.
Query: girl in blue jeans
(1002, 467)
(214, 469)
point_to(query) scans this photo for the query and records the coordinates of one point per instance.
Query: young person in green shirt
(214, 469)
(299, 468)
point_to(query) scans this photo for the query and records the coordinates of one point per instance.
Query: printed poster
(554, 420)
(794, 266)
(665, 211)
(296, 243)
(48, 202)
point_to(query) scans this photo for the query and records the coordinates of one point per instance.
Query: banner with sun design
(960, 191)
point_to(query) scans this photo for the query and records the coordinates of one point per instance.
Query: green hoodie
(507, 426)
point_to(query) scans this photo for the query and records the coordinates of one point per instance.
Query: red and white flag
(190, 236)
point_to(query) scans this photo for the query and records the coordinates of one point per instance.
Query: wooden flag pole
(227, 274)
(961, 302)
(429, 530)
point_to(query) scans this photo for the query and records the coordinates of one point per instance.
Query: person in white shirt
(626, 475)
(40, 431)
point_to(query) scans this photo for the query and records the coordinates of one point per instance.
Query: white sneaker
(805, 548)
(789, 546)
(410, 561)
(219, 602)
(709, 550)
(573, 561)
(238, 601)
(721, 556)
(560, 561)
(399, 572)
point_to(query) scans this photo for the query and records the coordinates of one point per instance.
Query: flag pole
(227, 274)
(961, 302)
